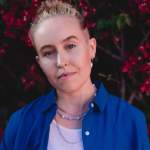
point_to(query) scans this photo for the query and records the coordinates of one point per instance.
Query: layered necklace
(64, 138)
(68, 116)
(65, 115)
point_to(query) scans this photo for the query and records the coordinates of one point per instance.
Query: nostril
(61, 61)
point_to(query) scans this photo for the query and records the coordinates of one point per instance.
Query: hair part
(51, 8)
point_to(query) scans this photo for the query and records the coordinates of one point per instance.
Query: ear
(92, 45)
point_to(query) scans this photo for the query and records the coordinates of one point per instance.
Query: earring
(91, 64)
(37, 58)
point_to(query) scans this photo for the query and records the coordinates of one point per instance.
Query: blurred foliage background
(122, 30)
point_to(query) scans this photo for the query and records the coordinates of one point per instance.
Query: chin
(68, 88)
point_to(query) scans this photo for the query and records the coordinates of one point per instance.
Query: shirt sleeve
(140, 129)
(8, 140)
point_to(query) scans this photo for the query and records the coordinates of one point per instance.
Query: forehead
(55, 29)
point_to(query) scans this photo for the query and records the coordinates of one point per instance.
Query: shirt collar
(100, 99)
(49, 100)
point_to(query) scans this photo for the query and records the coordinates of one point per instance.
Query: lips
(65, 75)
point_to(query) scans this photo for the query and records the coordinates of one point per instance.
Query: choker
(67, 116)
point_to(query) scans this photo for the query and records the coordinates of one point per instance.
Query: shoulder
(29, 112)
(22, 120)
(32, 107)
(129, 121)
(127, 117)
(124, 108)
(115, 104)
(36, 106)
(29, 109)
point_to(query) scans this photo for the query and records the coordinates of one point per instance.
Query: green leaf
(104, 24)
(122, 20)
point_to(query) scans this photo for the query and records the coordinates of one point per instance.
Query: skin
(64, 53)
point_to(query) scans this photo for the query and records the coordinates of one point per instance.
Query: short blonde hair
(50, 8)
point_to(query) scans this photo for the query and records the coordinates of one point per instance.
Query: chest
(97, 134)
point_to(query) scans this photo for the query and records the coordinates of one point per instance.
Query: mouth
(64, 76)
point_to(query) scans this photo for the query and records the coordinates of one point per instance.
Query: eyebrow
(64, 40)
(46, 46)
(70, 37)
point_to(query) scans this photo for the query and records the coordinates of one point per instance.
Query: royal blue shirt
(110, 124)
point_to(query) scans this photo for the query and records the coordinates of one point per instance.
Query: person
(77, 114)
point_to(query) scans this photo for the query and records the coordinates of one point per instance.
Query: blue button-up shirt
(110, 124)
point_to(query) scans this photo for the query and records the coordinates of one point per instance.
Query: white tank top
(61, 138)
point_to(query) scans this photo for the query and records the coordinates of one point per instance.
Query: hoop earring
(91, 64)
(92, 60)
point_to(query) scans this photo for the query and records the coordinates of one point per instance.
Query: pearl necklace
(65, 115)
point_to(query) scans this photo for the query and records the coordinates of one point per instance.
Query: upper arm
(140, 133)
(10, 132)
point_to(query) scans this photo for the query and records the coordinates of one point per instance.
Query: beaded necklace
(67, 116)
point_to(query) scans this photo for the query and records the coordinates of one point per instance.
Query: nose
(62, 60)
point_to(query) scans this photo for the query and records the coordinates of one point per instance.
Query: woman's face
(64, 52)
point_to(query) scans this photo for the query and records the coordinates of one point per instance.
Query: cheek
(83, 58)
(48, 68)
(82, 62)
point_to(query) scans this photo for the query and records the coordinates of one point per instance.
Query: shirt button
(87, 133)
(92, 105)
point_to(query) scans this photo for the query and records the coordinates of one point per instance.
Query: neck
(76, 102)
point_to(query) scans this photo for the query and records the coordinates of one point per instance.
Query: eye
(70, 46)
(48, 53)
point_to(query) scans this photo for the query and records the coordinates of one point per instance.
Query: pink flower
(142, 48)
(90, 25)
(9, 34)
(31, 78)
(25, 16)
(85, 14)
(25, 38)
(18, 23)
(27, 83)
(130, 63)
(145, 50)
(126, 67)
(145, 86)
(144, 8)
(36, 3)
(116, 39)
(145, 68)
(8, 19)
